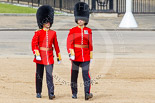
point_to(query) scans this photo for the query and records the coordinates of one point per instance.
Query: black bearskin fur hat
(44, 15)
(81, 12)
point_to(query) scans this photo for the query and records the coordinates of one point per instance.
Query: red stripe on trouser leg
(90, 82)
(71, 67)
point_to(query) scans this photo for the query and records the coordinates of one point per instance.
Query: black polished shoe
(74, 96)
(51, 96)
(38, 95)
(88, 96)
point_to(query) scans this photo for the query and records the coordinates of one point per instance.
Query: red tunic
(45, 39)
(81, 36)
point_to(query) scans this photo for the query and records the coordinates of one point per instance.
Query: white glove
(38, 58)
(59, 62)
(72, 57)
(91, 60)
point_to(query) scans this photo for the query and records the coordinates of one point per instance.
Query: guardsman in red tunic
(42, 47)
(80, 49)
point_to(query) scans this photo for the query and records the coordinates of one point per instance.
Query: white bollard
(128, 20)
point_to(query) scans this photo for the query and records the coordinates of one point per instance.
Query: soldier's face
(81, 22)
(47, 25)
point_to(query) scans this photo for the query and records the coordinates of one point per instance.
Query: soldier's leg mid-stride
(80, 49)
(42, 47)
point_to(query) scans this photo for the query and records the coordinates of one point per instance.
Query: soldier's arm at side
(70, 45)
(34, 43)
(91, 45)
(56, 46)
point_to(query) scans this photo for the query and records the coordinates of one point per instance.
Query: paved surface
(119, 44)
(67, 22)
(122, 70)
(145, 22)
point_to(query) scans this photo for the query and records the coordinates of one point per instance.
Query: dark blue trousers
(49, 78)
(85, 74)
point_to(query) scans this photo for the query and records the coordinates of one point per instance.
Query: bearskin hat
(44, 15)
(81, 12)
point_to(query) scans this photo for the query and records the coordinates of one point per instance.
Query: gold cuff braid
(91, 55)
